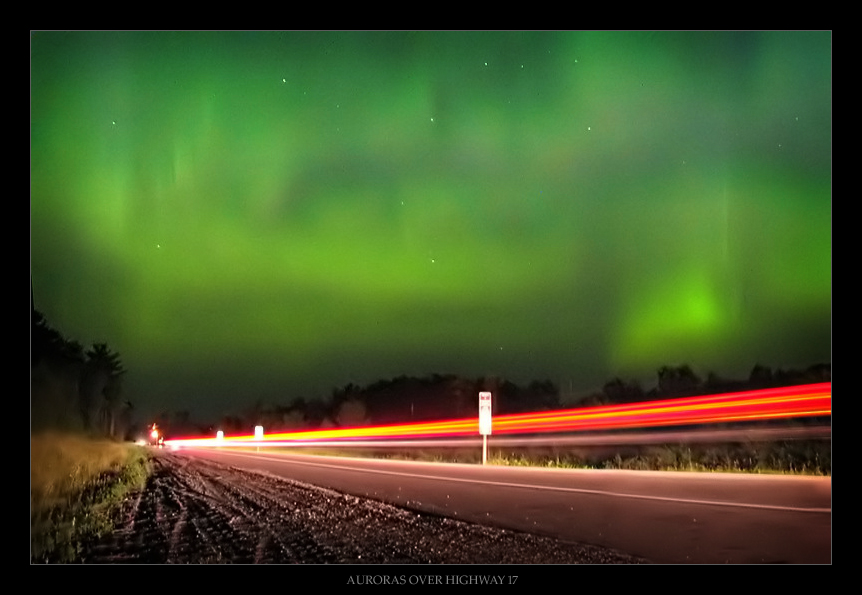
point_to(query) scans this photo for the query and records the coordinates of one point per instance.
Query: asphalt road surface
(664, 517)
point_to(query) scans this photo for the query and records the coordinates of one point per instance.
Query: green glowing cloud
(564, 205)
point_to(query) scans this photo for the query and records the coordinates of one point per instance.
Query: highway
(665, 517)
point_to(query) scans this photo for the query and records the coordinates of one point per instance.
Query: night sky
(258, 216)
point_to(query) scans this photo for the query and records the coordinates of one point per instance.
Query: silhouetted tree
(819, 373)
(715, 384)
(351, 413)
(463, 396)
(68, 386)
(594, 399)
(124, 420)
(292, 419)
(56, 365)
(677, 381)
(316, 414)
(295, 415)
(760, 377)
(233, 424)
(618, 391)
(102, 386)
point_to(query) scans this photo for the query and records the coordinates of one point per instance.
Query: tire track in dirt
(197, 511)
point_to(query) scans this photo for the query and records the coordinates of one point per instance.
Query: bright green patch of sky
(566, 205)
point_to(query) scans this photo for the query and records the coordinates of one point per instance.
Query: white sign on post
(484, 422)
(485, 413)
(258, 435)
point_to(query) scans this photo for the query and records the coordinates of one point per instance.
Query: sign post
(258, 436)
(484, 422)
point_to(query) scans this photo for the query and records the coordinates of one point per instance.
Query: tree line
(403, 399)
(447, 396)
(72, 388)
(681, 381)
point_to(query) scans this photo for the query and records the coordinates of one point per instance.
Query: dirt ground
(195, 511)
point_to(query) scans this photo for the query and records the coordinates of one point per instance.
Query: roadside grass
(802, 457)
(795, 457)
(76, 486)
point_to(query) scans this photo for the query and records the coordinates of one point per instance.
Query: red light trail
(810, 400)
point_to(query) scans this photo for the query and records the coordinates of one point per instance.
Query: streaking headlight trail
(810, 400)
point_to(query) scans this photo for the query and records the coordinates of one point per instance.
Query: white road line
(549, 488)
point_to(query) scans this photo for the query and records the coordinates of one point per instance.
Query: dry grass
(75, 483)
(62, 466)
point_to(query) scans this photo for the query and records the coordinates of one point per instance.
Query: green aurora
(258, 216)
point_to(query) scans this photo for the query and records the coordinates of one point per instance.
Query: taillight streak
(778, 403)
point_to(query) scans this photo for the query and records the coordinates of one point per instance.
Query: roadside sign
(485, 413)
(258, 435)
(485, 422)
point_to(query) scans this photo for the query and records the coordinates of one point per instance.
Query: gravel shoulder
(194, 511)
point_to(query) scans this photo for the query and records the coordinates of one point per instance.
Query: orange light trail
(808, 400)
